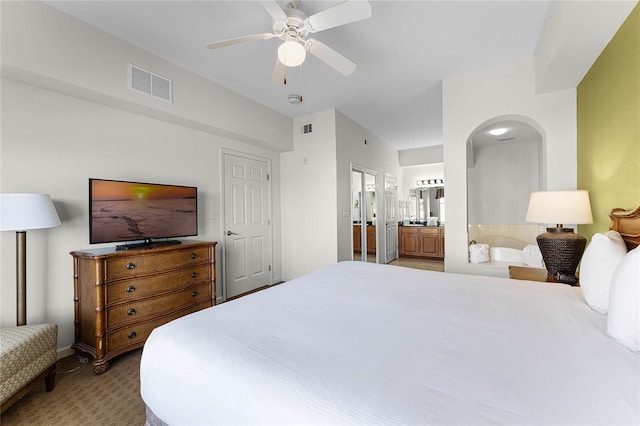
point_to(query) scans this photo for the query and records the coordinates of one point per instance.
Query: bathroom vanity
(421, 241)
(371, 238)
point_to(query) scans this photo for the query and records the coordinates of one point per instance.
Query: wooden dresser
(121, 296)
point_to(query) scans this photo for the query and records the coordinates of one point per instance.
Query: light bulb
(498, 132)
(291, 53)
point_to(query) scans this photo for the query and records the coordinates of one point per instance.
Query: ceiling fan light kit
(293, 27)
(291, 53)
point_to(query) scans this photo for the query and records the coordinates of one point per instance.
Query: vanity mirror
(425, 203)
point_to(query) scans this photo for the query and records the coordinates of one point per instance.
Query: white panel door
(391, 217)
(247, 224)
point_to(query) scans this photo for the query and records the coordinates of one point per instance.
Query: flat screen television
(121, 211)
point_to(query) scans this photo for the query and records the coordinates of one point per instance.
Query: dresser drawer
(137, 333)
(138, 288)
(139, 310)
(131, 266)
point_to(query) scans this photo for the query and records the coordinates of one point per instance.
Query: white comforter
(358, 343)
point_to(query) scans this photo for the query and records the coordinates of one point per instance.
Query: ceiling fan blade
(330, 57)
(274, 10)
(343, 13)
(279, 73)
(238, 40)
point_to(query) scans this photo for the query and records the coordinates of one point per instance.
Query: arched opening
(505, 163)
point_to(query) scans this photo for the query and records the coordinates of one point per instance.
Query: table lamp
(561, 248)
(21, 212)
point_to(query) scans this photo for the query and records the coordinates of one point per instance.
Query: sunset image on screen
(109, 190)
(126, 211)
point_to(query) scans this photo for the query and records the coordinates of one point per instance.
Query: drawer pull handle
(131, 266)
(194, 274)
(194, 294)
(131, 289)
(131, 312)
(132, 335)
(193, 255)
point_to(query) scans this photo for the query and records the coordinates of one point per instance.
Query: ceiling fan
(293, 26)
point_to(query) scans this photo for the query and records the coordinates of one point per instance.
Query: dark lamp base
(561, 251)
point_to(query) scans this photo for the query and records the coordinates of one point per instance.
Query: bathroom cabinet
(421, 241)
(371, 239)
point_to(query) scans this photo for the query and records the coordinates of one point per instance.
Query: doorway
(506, 162)
(391, 217)
(364, 215)
(247, 223)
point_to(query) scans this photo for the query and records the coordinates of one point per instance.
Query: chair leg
(50, 379)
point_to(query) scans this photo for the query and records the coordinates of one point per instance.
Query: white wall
(309, 197)
(67, 117)
(411, 174)
(474, 98)
(316, 189)
(376, 156)
(419, 156)
(45, 47)
(501, 180)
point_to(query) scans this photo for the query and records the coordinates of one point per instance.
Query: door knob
(231, 233)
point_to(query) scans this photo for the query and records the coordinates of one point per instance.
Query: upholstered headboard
(627, 223)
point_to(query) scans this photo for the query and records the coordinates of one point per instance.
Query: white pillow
(599, 262)
(532, 256)
(623, 323)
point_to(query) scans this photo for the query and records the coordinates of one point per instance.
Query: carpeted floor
(82, 398)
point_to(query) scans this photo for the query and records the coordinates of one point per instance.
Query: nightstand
(533, 274)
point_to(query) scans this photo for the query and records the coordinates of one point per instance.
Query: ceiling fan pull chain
(301, 84)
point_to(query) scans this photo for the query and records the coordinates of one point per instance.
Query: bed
(361, 343)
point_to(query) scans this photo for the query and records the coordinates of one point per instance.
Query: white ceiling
(403, 52)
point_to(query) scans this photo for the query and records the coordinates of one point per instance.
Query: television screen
(127, 211)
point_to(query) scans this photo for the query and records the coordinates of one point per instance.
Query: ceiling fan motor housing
(294, 26)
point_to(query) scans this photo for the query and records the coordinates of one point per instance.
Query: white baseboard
(65, 353)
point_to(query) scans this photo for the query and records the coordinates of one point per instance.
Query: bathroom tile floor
(410, 262)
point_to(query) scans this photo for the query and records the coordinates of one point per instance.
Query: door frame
(363, 236)
(223, 199)
(387, 215)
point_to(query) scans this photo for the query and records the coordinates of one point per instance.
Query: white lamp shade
(20, 212)
(559, 207)
(291, 53)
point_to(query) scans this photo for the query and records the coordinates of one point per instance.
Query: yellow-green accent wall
(609, 127)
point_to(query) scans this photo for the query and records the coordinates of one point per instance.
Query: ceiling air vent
(150, 83)
(306, 128)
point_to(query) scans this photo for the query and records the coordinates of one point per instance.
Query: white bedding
(358, 343)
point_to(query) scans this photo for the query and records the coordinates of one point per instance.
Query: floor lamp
(21, 212)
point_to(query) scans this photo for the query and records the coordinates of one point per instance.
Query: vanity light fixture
(426, 182)
(498, 132)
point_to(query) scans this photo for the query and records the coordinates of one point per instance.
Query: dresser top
(111, 251)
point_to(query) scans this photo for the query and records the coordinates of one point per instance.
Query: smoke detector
(295, 99)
